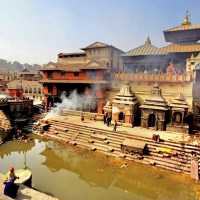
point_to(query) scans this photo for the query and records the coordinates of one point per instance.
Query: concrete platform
(25, 193)
(138, 131)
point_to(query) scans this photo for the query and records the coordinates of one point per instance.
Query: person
(95, 118)
(82, 117)
(11, 188)
(105, 118)
(19, 133)
(108, 120)
(50, 105)
(115, 126)
(11, 174)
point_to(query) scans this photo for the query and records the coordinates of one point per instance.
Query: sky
(35, 31)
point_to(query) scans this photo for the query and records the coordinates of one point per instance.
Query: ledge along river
(70, 173)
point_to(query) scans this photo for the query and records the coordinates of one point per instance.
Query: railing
(162, 77)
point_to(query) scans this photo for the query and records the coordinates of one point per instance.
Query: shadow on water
(72, 173)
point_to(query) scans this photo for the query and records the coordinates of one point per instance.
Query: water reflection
(71, 173)
(16, 146)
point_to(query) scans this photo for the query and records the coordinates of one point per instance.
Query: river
(75, 174)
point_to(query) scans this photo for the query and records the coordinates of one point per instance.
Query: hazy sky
(35, 31)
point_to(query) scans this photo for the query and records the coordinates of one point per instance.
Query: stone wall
(5, 126)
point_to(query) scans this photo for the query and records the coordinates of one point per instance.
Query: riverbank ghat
(24, 192)
(173, 151)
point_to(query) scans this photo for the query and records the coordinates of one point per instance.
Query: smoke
(74, 101)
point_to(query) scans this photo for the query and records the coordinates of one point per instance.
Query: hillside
(16, 66)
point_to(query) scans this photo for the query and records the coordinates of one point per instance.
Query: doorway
(151, 120)
(121, 116)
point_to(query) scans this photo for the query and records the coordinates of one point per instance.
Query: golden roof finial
(186, 20)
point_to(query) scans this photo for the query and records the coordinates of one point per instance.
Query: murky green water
(74, 174)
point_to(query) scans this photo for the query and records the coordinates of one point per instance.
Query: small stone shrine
(125, 106)
(154, 110)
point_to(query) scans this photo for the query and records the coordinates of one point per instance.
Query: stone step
(106, 140)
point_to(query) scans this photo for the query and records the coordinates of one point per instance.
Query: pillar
(100, 105)
(54, 91)
(100, 100)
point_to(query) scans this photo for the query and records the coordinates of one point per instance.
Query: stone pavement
(25, 193)
(138, 131)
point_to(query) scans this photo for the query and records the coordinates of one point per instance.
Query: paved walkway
(138, 131)
(25, 193)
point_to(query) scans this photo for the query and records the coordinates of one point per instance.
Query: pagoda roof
(184, 27)
(144, 50)
(186, 32)
(125, 96)
(179, 103)
(155, 101)
(176, 48)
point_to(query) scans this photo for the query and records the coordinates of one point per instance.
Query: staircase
(109, 143)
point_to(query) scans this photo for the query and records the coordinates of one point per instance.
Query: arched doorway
(151, 120)
(177, 117)
(121, 116)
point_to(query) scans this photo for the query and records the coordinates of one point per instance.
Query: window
(91, 74)
(76, 73)
(62, 73)
(50, 75)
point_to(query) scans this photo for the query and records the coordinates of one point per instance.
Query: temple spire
(148, 40)
(187, 19)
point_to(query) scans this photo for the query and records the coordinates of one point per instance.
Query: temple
(138, 87)
(86, 72)
(183, 41)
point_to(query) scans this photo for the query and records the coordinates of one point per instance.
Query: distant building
(30, 75)
(29, 89)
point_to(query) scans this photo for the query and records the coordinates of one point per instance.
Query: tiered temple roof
(125, 96)
(155, 101)
(180, 48)
(183, 38)
(146, 49)
(186, 32)
(185, 25)
(179, 103)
